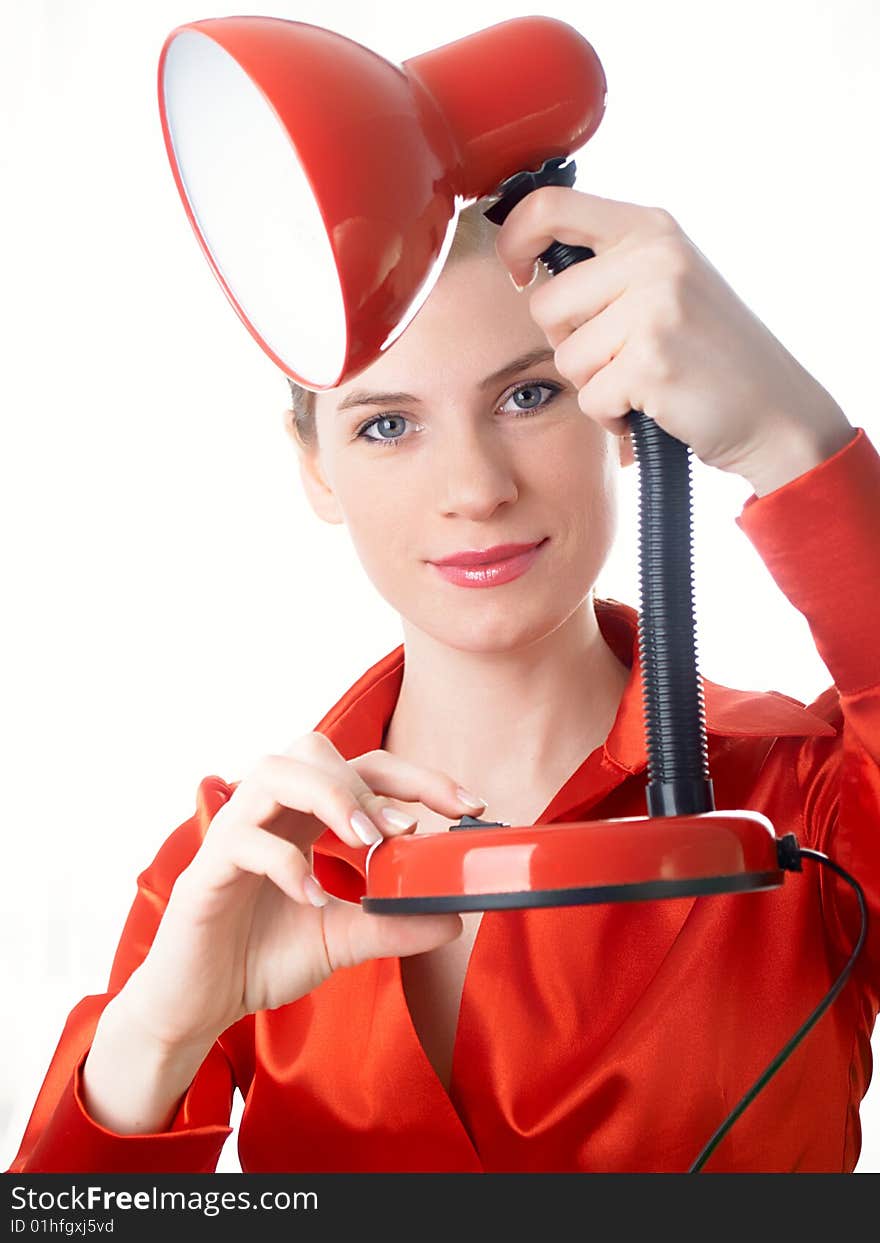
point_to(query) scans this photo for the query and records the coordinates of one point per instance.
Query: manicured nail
(470, 799)
(365, 829)
(397, 819)
(532, 278)
(314, 892)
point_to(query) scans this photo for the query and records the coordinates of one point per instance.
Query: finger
(396, 777)
(321, 783)
(311, 792)
(588, 349)
(374, 817)
(353, 935)
(608, 397)
(389, 774)
(563, 214)
(251, 849)
(578, 294)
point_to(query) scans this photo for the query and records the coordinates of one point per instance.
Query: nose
(475, 472)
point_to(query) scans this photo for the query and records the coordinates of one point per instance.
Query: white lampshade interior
(254, 207)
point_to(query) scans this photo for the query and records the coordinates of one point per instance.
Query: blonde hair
(474, 235)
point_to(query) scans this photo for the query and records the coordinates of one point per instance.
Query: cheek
(578, 486)
(576, 468)
(382, 520)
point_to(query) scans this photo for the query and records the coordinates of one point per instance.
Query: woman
(584, 1038)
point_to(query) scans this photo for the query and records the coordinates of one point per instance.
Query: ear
(321, 496)
(626, 450)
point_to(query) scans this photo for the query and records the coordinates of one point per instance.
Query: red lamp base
(628, 859)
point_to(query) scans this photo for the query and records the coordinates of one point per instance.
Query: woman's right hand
(240, 933)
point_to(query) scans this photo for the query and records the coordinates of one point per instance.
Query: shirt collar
(357, 722)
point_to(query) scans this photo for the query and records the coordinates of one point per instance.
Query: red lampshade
(323, 182)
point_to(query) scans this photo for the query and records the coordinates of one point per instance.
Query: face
(467, 462)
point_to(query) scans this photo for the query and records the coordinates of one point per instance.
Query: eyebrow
(362, 398)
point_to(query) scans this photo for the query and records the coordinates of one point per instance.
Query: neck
(500, 723)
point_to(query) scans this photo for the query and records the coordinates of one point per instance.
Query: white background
(172, 607)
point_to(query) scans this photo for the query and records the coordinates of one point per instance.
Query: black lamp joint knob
(788, 853)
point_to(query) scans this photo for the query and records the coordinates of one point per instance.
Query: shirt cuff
(819, 536)
(73, 1142)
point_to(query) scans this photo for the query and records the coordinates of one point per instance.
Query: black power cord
(790, 855)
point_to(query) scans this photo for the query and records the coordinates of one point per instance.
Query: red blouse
(591, 1038)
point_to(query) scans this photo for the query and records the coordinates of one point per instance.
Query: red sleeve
(60, 1136)
(819, 536)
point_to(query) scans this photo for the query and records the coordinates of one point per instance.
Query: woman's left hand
(648, 324)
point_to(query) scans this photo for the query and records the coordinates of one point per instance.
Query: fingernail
(365, 829)
(314, 892)
(532, 277)
(397, 819)
(470, 799)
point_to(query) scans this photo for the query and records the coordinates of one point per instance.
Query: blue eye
(382, 422)
(532, 390)
(385, 422)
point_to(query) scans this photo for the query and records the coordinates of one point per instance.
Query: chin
(503, 629)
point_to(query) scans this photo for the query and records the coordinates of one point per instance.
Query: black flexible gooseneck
(675, 725)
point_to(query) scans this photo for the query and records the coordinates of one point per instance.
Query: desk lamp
(306, 161)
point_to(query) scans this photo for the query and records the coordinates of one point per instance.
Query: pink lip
(503, 568)
(486, 556)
